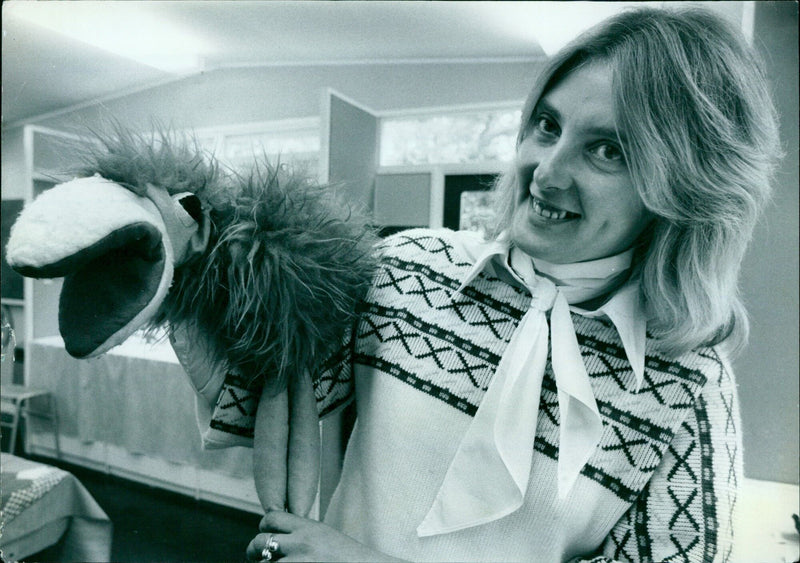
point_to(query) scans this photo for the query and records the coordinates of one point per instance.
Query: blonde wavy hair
(702, 146)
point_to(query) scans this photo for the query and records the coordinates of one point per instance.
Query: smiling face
(576, 201)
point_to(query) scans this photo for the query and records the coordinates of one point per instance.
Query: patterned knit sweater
(661, 485)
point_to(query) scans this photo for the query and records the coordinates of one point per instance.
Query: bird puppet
(255, 277)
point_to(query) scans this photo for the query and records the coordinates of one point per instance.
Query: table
(41, 505)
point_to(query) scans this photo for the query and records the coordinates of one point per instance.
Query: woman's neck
(586, 284)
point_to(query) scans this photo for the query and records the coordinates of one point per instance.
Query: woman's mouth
(551, 212)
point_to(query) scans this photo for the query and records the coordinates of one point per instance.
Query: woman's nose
(551, 165)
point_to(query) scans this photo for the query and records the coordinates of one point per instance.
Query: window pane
(453, 138)
(477, 211)
(298, 148)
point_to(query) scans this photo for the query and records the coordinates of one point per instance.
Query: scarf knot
(543, 295)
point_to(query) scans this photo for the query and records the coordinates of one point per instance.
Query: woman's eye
(606, 151)
(546, 125)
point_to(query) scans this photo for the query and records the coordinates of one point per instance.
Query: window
(292, 142)
(450, 138)
(295, 148)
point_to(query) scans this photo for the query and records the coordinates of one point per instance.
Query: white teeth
(547, 213)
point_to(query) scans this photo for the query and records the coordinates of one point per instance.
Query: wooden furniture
(16, 401)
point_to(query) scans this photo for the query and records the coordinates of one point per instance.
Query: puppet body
(255, 276)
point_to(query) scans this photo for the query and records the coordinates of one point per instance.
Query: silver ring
(272, 545)
(266, 554)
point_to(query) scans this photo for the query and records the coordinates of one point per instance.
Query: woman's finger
(259, 546)
(256, 547)
(304, 446)
(270, 443)
(278, 521)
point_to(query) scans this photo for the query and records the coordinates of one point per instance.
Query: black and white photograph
(385, 281)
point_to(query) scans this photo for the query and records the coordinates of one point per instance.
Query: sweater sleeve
(333, 386)
(686, 512)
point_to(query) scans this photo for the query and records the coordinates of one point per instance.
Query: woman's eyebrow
(543, 105)
(608, 132)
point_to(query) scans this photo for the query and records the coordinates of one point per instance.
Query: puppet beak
(114, 249)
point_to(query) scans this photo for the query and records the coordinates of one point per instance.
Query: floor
(151, 524)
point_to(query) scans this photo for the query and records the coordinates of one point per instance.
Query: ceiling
(58, 56)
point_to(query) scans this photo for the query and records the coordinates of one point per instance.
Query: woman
(561, 392)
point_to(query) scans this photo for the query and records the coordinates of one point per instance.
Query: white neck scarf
(488, 477)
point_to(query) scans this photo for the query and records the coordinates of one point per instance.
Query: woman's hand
(301, 539)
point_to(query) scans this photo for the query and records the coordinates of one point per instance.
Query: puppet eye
(191, 204)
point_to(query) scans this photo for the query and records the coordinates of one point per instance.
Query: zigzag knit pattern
(669, 451)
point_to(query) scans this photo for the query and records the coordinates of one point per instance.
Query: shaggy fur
(285, 266)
